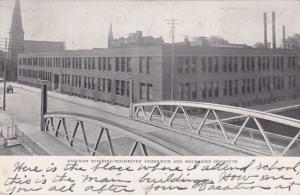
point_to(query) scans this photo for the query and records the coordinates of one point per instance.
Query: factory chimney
(273, 31)
(265, 31)
(283, 37)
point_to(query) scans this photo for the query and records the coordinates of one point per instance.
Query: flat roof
(164, 50)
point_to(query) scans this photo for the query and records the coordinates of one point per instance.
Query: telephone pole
(172, 22)
(4, 74)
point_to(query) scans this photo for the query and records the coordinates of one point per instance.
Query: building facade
(234, 76)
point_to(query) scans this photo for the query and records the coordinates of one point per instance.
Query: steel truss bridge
(239, 129)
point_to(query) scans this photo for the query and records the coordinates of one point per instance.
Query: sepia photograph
(149, 78)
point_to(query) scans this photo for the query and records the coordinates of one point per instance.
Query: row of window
(104, 85)
(188, 91)
(121, 64)
(230, 64)
(42, 75)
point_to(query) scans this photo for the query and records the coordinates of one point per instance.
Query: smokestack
(265, 31)
(283, 36)
(273, 31)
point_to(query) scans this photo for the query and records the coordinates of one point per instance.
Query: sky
(84, 24)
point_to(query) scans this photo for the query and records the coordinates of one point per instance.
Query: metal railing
(66, 125)
(227, 134)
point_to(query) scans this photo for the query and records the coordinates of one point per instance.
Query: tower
(273, 31)
(110, 36)
(265, 31)
(283, 37)
(16, 42)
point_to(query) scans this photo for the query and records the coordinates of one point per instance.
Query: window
(142, 91)
(230, 64)
(103, 85)
(149, 92)
(109, 64)
(243, 63)
(117, 64)
(141, 59)
(108, 85)
(117, 87)
(225, 64)
(216, 64)
(216, 89)
(148, 65)
(89, 83)
(80, 63)
(236, 87)
(194, 91)
(85, 63)
(99, 63)
(248, 86)
(235, 64)
(194, 65)
(179, 64)
(99, 84)
(225, 88)
(209, 64)
(187, 91)
(180, 91)
(73, 80)
(93, 83)
(68, 79)
(260, 85)
(203, 62)
(268, 63)
(128, 88)
(230, 87)
(123, 64)
(253, 85)
(123, 88)
(248, 63)
(204, 90)
(243, 86)
(85, 83)
(104, 64)
(187, 64)
(89, 63)
(93, 63)
(128, 64)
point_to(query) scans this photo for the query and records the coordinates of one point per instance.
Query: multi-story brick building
(234, 76)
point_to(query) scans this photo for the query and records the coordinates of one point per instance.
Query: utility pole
(4, 74)
(172, 22)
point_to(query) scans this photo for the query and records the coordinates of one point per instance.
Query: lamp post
(44, 102)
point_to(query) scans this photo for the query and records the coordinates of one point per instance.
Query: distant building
(133, 40)
(293, 42)
(213, 41)
(18, 45)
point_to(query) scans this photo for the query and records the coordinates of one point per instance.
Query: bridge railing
(88, 134)
(174, 115)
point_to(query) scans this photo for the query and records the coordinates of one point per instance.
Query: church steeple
(16, 41)
(110, 36)
(16, 23)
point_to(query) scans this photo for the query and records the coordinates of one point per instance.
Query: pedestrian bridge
(242, 129)
(247, 131)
